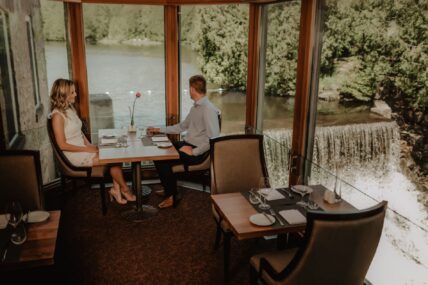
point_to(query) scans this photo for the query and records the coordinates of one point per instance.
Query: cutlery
(276, 216)
(267, 217)
(290, 195)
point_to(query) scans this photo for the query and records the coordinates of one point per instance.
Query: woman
(67, 128)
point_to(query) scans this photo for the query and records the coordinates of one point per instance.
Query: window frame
(34, 67)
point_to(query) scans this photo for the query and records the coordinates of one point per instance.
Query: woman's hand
(92, 148)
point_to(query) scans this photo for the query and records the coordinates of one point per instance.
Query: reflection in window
(214, 43)
(282, 22)
(34, 70)
(9, 107)
(125, 54)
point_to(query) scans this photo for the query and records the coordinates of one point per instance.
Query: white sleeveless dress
(73, 135)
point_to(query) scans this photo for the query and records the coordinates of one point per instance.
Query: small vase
(132, 129)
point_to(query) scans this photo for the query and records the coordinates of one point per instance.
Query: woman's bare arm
(58, 129)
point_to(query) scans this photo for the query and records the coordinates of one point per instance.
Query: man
(201, 124)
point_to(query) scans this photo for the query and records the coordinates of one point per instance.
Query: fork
(276, 216)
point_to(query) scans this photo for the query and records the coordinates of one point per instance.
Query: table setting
(13, 230)
(281, 206)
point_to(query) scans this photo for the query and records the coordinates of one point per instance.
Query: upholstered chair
(237, 163)
(21, 179)
(338, 249)
(96, 174)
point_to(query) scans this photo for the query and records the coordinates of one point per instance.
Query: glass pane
(371, 101)
(214, 43)
(125, 55)
(280, 65)
(9, 108)
(55, 46)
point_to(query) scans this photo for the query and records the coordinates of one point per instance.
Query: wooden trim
(172, 71)
(303, 81)
(76, 38)
(253, 65)
(161, 2)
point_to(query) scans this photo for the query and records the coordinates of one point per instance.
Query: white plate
(301, 189)
(164, 144)
(262, 220)
(36, 216)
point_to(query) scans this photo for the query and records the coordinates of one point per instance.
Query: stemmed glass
(264, 189)
(14, 216)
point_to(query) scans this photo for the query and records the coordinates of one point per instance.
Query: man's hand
(187, 149)
(152, 131)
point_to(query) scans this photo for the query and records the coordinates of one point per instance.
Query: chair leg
(226, 246)
(63, 184)
(253, 275)
(217, 237)
(103, 198)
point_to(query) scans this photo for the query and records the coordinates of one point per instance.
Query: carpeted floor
(174, 247)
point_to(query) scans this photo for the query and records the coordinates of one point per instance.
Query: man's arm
(212, 129)
(174, 129)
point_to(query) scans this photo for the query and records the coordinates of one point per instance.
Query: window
(125, 54)
(214, 43)
(9, 106)
(34, 70)
(54, 35)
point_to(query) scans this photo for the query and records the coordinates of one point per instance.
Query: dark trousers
(164, 167)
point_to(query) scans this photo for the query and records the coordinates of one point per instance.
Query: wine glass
(14, 216)
(253, 197)
(264, 189)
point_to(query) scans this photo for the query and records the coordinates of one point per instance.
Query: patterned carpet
(174, 247)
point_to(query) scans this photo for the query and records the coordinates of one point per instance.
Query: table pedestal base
(145, 190)
(135, 215)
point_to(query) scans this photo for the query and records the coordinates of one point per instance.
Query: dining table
(134, 147)
(39, 248)
(235, 210)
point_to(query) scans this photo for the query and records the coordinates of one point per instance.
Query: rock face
(381, 108)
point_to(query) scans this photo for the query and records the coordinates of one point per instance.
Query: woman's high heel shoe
(117, 196)
(129, 195)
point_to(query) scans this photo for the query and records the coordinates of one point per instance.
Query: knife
(267, 217)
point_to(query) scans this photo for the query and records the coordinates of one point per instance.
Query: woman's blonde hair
(60, 89)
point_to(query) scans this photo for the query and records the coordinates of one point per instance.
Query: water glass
(14, 216)
(263, 202)
(254, 197)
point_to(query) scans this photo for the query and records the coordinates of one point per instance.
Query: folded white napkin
(160, 139)
(272, 194)
(293, 216)
(108, 140)
(3, 222)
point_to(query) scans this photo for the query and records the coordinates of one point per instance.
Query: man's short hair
(199, 83)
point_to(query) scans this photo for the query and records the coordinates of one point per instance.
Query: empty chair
(237, 163)
(21, 179)
(95, 174)
(338, 249)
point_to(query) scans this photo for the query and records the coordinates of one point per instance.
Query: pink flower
(131, 111)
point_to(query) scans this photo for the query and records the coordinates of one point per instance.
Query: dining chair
(21, 179)
(91, 175)
(200, 172)
(337, 249)
(237, 163)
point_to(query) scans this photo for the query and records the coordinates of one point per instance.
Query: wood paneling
(253, 65)
(172, 71)
(75, 30)
(301, 103)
